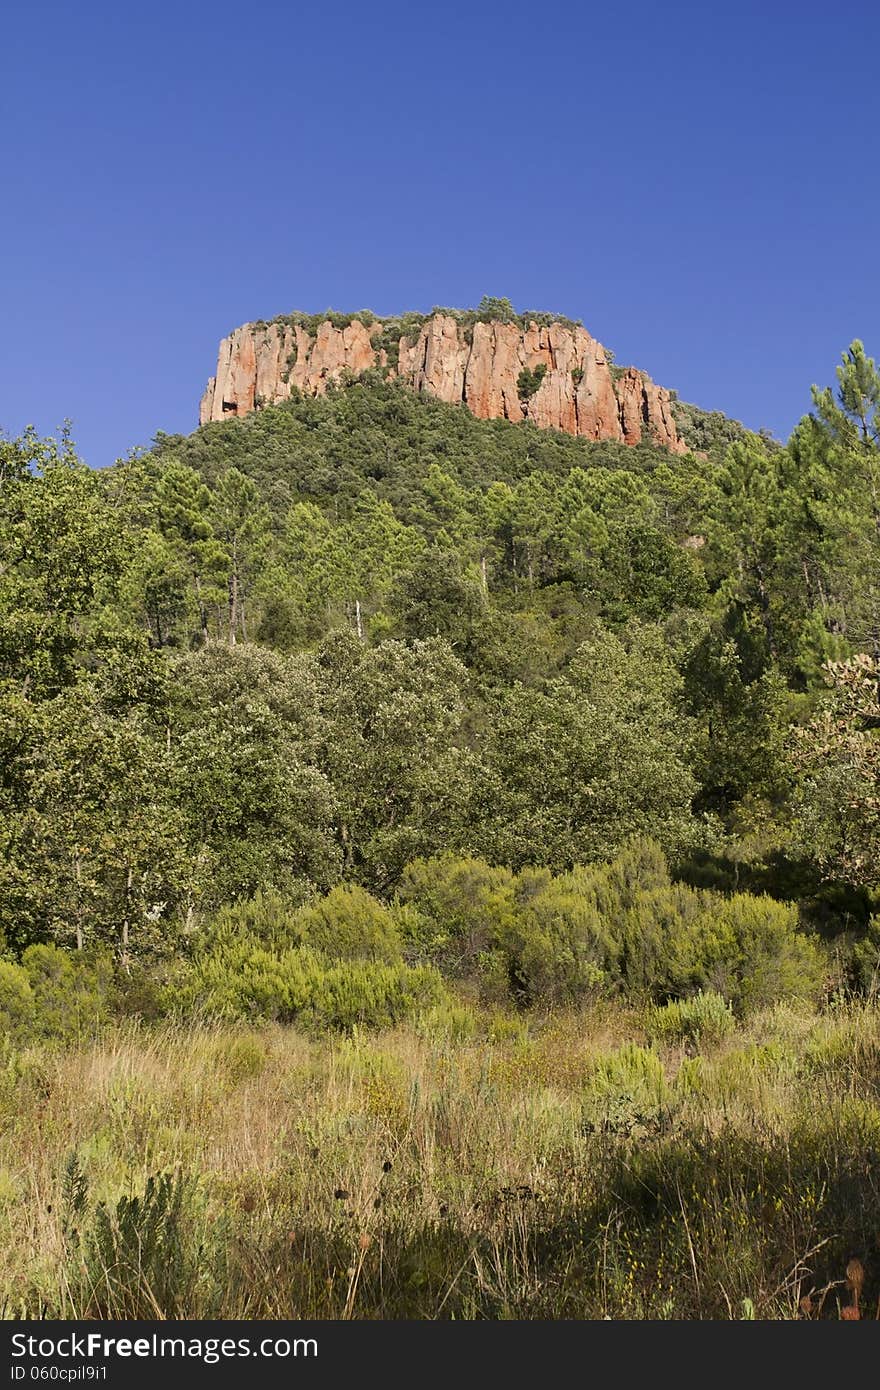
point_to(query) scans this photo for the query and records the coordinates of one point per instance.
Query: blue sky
(696, 181)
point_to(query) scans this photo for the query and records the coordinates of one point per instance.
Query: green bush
(139, 992)
(149, 1255)
(528, 381)
(559, 947)
(770, 958)
(239, 1057)
(72, 992)
(676, 940)
(627, 1093)
(866, 959)
(639, 868)
(565, 943)
(16, 1002)
(462, 906)
(532, 938)
(706, 1019)
(655, 947)
(242, 980)
(370, 995)
(267, 917)
(349, 924)
(545, 940)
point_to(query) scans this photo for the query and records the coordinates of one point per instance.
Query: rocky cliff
(552, 373)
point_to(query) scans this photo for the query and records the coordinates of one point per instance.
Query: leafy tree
(243, 731)
(435, 598)
(837, 758)
(496, 310)
(742, 718)
(853, 417)
(392, 751)
(529, 380)
(61, 552)
(241, 523)
(599, 755)
(91, 833)
(183, 511)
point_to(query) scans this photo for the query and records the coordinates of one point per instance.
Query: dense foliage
(368, 645)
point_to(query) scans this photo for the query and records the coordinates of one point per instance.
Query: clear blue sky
(696, 181)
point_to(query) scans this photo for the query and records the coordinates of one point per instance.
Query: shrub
(16, 1002)
(630, 1068)
(532, 937)
(447, 1022)
(71, 991)
(492, 309)
(559, 947)
(627, 1093)
(463, 907)
(640, 867)
(704, 1019)
(349, 924)
(655, 927)
(749, 948)
(370, 995)
(267, 917)
(239, 1058)
(528, 381)
(149, 1256)
(241, 980)
(677, 940)
(866, 959)
(547, 940)
(139, 992)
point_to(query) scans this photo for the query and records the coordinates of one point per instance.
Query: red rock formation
(478, 365)
(646, 412)
(598, 409)
(436, 361)
(631, 396)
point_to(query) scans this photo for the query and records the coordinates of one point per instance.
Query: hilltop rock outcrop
(554, 374)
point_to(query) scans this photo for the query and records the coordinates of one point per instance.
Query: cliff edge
(551, 372)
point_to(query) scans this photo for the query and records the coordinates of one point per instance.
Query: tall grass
(583, 1167)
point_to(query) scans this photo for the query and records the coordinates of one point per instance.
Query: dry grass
(561, 1170)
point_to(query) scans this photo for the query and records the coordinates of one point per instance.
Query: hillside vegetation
(362, 715)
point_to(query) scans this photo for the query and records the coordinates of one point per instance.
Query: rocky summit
(551, 372)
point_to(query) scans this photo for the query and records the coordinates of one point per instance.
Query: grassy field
(615, 1164)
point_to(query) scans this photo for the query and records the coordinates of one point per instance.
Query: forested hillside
(439, 864)
(361, 684)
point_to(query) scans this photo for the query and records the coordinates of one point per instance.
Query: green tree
(494, 310)
(392, 751)
(241, 523)
(61, 553)
(837, 759)
(91, 836)
(244, 730)
(599, 755)
(183, 511)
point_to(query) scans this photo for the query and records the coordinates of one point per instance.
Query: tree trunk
(233, 605)
(129, 878)
(203, 612)
(77, 864)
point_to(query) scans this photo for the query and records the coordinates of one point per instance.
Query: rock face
(571, 386)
